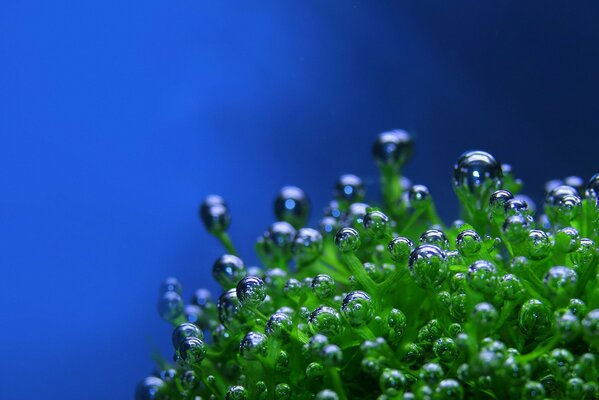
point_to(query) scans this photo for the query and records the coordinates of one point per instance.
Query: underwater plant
(384, 301)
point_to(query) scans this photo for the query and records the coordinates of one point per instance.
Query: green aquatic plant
(384, 301)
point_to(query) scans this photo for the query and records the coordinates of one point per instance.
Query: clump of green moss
(385, 302)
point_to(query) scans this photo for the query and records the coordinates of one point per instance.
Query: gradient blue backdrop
(118, 117)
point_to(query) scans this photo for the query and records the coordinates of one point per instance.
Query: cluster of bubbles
(384, 302)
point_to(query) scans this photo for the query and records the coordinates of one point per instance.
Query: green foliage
(385, 302)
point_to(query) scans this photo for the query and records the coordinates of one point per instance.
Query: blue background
(117, 118)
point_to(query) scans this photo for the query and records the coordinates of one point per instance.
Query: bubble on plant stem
(356, 214)
(251, 291)
(328, 225)
(510, 287)
(201, 297)
(376, 223)
(428, 266)
(393, 148)
(392, 381)
(357, 308)
(593, 186)
(590, 326)
(476, 174)
(484, 315)
(435, 237)
(323, 286)
(278, 239)
(192, 350)
(445, 349)
(326, 394)
(535, 318)
(516, 228)
(350, 189)
(228, 307)
(431, 373)
(567, 240)
(325, 320)
(170, 306)
(420, 197)
(236, 393)
(149, 388)
(585, 254)
(482, 276)
(449, 389)
(171, 285)
(516, 206)
(228, 270)
(562, 204)
(253, 345)
(347, 240)
(307, 246)
(497, 201)
(183, 331)
(538, 244)
(400, 248)
(292, 205)
(560, 282)
(279, 326)
(468, 242)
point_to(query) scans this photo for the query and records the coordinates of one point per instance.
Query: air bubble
(562, 204)
(192, 350)
(428, 266)
(435, 237)
(228, 270)
(325, 320)
(468, 243)
(393, 148)
(253, 345)
(420, 197)
(170, 306)
(214, 213)
(307, 246)
(476, 174)
(538, 244)
(279, 326)
(350, 189)
(323, 286)
(560, 282)
(149, 388)
(357, 308)
(376, 223)
(347, 240)
(183, 331)
(251, 291)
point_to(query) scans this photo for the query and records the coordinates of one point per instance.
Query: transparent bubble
(253, 345)
(376, 223)
(392, 381)
(510, 287)
(562, 204)
(292, 205)
(585, 254)
(560, 282)
(183, 331)
(251, 291)
(215, 216)
(323, 286)
(356, 214)
(430, 332)
(468, 243)
(149, 388)
(357, 308)
(476, 174)
(279, 326)
(457, 283)
(535, 318)
(393, 148)
(516, 206)
(590, 326)
(538, 244)
(328, 225)
(171, 285)
(201, 297)
(228, 270)
(482, 276)
(420, 197)
(236, 393)
(533, 390)
(347, 240)
(516, 228)
(315, 370)
(431, 373)
(497, 201)
(457, 308)
(192, 350)
(593, 186)
(229, 309)
(326, 394)
(350, 189)
(413, 354)
(435, 237)
(428, 266)
(449, 389)
(577, 183)
(293, 288)
(484, 315)
(278, 239)
(575, 388)
(307, 246)
(170, 306)
(331, 354)
(577, 307)
(400, 248)
(567, 240)
(446, 349)
(325, 320)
